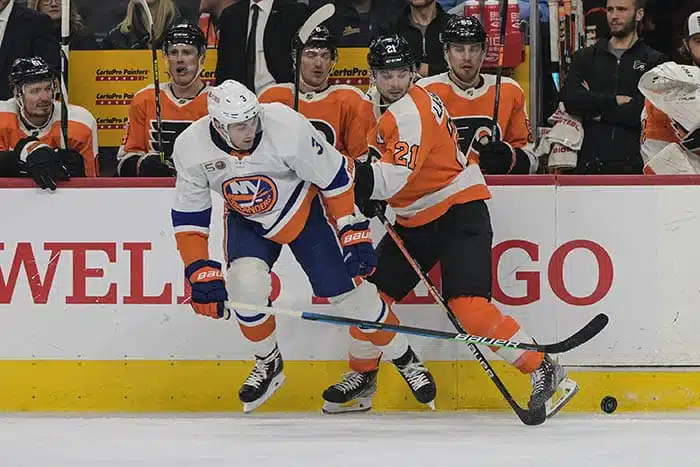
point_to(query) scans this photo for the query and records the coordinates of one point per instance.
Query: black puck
(608, 404)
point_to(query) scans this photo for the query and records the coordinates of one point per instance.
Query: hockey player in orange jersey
(441, 214)
(469, 97)
(31, 131)
(670, 141)
(340, 112)
(183, 100)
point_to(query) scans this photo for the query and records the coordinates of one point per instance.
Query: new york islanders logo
(251, 195)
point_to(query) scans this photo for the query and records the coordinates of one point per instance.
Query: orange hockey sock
(261, 335)
(479, 316)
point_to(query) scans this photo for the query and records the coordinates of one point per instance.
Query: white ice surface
(366, 440)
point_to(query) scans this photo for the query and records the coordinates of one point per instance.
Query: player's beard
(393, 94)
(628, 28)
(468, 77)
(694, 57)
(39, 115)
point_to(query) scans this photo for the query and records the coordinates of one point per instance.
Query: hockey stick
(586, 333)
(63, 82)
(528, 417)
(156, 76)
(315, 20)
(499, 68)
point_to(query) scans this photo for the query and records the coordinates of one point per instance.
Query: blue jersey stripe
(196, 218)
(341, 179)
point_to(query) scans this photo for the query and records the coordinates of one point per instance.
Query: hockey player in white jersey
(670, 142)
(272, 168)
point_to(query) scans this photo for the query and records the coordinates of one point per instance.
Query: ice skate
(266, 378)
(353, 394)
(417, 377)
(546, 380)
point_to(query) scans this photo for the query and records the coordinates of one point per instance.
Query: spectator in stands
(24, 33)
(601, 89)
(80, 37)
(209, 13)
(356, 21)
(132, 32)
(421, 24)
(255, 42)
(31, 130)
(183, 100)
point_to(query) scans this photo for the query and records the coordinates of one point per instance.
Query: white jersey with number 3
(273, 186)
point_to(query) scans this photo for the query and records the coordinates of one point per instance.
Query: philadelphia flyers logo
(171, 130)
(251, 195)
(326, 130)
(473, 129)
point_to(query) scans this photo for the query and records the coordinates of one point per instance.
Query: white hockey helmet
(230, 103)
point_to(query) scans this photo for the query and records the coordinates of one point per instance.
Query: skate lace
(350, 382)
(539, 379)
(415, 374)
(258, 375)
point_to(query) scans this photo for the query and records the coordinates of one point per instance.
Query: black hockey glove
(73, 161)
(41, 163)
(151, 166)
(372, 208)
(496, 157)
(364, 184)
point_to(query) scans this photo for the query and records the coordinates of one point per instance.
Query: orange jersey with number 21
(422, 172)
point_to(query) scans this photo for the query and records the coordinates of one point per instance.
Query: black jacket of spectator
(28, 34)
(285, 19)
(426, 49)
(611, 131)
(136, 38)
(352, 29)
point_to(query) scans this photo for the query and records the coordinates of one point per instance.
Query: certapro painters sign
(104, 82)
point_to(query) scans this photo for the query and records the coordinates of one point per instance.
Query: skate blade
(275, 384)
(566, 390)
(431, 404)
(361, 404)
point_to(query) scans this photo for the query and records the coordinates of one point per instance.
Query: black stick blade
(586, 333)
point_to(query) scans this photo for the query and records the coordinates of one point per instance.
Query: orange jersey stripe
(296, 223)
(192, 246)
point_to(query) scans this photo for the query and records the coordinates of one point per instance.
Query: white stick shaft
(315, 20)
(553, 30)
(265, 309)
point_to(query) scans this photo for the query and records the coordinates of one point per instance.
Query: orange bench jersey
(82, 131)
(472, 109)
(342, 113)
(422, 172)
(141, 135)
(658, 131)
